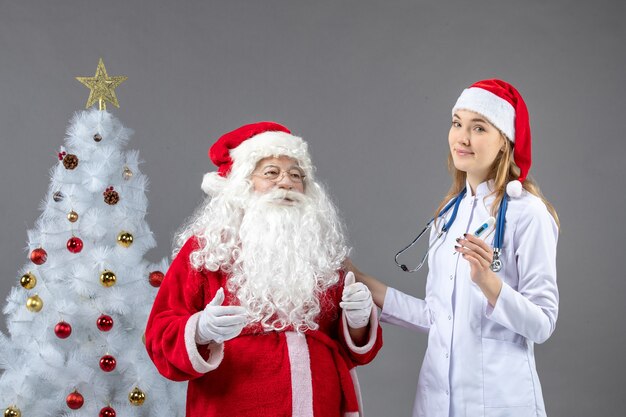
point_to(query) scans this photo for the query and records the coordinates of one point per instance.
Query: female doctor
(484, 309)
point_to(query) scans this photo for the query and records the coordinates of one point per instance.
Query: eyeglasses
(275, 174)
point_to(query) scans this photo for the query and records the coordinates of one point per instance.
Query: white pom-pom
(514, 189)
(213, 183)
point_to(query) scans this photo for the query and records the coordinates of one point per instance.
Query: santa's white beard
(285, 258)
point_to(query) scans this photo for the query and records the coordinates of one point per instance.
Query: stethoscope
(496, 264)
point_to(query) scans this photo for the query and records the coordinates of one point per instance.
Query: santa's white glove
(356, 302)
(218, 323)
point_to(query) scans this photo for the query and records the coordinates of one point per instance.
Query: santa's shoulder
(192, 244)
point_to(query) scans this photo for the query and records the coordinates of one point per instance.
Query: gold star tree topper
(102, 87)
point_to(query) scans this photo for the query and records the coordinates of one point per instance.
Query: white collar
(484, 188)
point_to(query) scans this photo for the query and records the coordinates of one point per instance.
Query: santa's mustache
(281, 195)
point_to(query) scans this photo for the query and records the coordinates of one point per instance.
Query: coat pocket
(507, 375)
(510, 412)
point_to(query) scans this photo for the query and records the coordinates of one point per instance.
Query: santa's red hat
(240, 151)
(504, 107)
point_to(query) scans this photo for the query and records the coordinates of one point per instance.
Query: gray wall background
(370, 85)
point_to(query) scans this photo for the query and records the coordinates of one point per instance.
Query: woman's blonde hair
(503, 170)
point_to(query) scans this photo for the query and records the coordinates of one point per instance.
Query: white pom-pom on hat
(213, 183)
(514, 189)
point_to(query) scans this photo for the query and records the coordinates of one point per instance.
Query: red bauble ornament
(38, 256)
(107, 412)
(104, 323)
(63, 330)
(74, 245)
(75, 400)
(107, 363)
(156, 277)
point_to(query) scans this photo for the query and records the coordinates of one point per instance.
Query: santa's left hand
(356, 302)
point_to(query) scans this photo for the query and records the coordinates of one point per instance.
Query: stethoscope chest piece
(496, 264)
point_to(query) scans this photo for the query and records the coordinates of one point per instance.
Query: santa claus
(255, 310)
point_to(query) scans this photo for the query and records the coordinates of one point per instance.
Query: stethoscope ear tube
(403, 266)
(496, 264)
(456, 202)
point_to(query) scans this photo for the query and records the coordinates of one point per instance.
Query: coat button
(451, 277)
(449, 317)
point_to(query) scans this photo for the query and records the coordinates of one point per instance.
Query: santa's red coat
(257, 374)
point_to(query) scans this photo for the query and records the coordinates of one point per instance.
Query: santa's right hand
(218, 323)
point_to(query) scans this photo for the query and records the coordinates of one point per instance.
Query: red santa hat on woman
(240, 150)
(504, 107)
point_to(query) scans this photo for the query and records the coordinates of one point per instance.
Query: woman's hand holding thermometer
(480, 256)
(482, 228)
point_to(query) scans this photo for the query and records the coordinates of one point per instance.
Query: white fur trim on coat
(301, 379)
(359, 397)
(372, 336)
(197, 361)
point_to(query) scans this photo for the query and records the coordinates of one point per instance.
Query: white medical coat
(480, 360)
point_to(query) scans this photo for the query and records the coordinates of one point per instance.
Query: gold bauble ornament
(34, 303)
(127, 174)
(125, 239)
(72, 216)
(107, 278)
(12, 411)
(136, 396)
(28, 281)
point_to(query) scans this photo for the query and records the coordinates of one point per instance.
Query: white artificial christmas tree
(77, 317)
